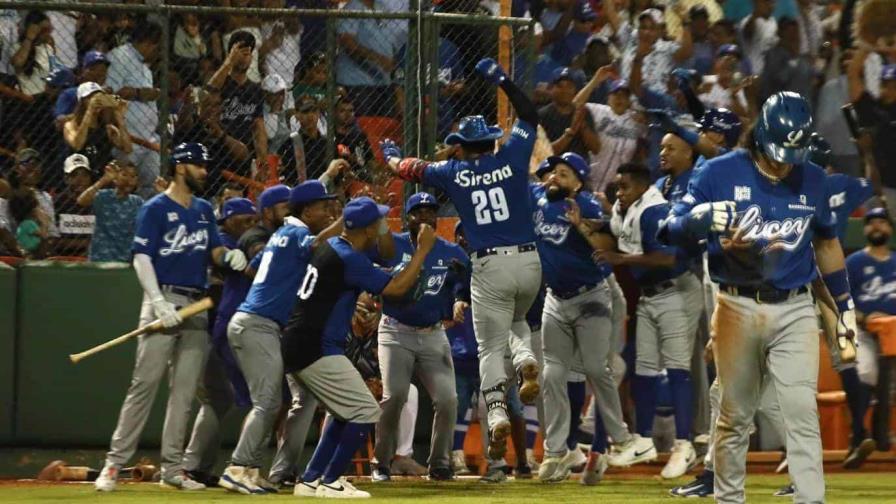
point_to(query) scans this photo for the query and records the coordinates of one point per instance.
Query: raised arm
(492, 72)
(603, 73)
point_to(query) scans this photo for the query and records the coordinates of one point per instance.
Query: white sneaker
(553, 470)
(239, 479)
(574, 459)
(459, 463)
(306, 489)
(258, 480)
(530, 459)
(340, 489)
(181, 482)
(108, 478)
(634, 451)
(682, 460)
(594, 469)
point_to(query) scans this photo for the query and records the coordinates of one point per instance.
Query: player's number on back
(490, 206)
(308, 283)
(262, 272)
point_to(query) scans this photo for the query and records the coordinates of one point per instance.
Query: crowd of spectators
(80, 97)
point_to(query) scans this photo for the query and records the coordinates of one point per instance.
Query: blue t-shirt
(650, 221)
(779, 221)
(491, 192)
(113, 231)
(443, 285)
(279, 268)
(321, 320)
(872, 282)
(565, 255)
(178, 240)
(846, 194)
(236, 285)
(673, 189)
(66, 102)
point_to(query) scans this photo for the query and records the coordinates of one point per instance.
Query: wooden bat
(845, 344)
(186, 312)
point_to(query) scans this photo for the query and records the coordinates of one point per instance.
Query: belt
(573, 293)
(509, 250)
(657, 288)
(190, 292)
(763, 293)
(395, 324)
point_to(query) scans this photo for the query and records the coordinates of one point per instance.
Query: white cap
(74, 162)
(88, 88)
(655, 14)
(273, 83)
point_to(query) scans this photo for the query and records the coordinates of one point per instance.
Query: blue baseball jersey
(443, 284)
(650, 222)
(872, 282)
(777, 221)
(565, 255)
(178, 240)
(674, 188)
(491, 192)
(845, 194)
(236, 285)
(279, 268)
(321, 320)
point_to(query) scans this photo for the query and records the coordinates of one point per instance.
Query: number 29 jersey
(491, 193)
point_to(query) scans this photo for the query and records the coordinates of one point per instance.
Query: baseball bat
(185, 313)
(829, 315)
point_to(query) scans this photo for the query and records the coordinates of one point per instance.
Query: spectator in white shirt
(759, 32)
(810, 27)
(65, 25)
(659, 56)
(725, 87)
(280, 50)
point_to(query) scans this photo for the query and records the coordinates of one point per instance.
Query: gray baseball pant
(403, 350)
(579, 323)
(182, 351)
(338, 386)
(255, 342)
(619, 313)
(780, 341)
(215, 395)
(295, 431)
(667, 326)
(503, 287)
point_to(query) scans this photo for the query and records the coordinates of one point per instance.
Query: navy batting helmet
(190, 152)
(819, 150)
(784, 126)
(574, 161)
(724, 121)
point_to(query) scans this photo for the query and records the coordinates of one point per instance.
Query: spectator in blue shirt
(115, 208)
(567, 27)
(94, 68)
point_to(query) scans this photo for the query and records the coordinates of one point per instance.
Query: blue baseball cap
(61, 77)
(566, 73)
(728, 50)
(888, 72)
(420, 199)
(474, 129)
(618, 85)
(273, 195)
(362, 212)
(236, 206)
(543, 167)
(578, 164)
(308, 192)
(93, 57)
(877, 213)
(190, 152)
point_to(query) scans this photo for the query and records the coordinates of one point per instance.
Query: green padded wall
(7, 351)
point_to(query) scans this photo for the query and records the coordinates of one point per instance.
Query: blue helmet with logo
(784, 127)
(724, 121)
(190, 152)
(578, 164)
(819, 150)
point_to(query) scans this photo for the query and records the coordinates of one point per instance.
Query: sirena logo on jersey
(875, 289)
(779, 235)
(554, 233)
(467, 178)
(179, 240)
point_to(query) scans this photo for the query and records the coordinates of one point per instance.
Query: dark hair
(31, 18)
(311, 61)
(241, 36)
(147, 31)
(22, 204)
(786, 21)
(481, 147)
(345, 100)
(637, 172)
(233, 186)
(727, 25)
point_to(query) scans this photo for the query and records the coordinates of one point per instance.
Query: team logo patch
(172, 216)
(868, 270)
(875, 289)
(550, 232)
(434, 284)
(179, 241)
(742, 193)
(784, 235)
(793, 139)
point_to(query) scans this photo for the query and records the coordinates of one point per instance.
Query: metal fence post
(411, 117)
(164, 128)
(331, 86)
(432, 81)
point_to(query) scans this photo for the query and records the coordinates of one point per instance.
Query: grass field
(864, 488)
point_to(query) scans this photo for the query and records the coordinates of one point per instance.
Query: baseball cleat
(494, 475)
(340, 489)
(857, 455)
(441, 474)
(407, 466)
(522, 472)
(380, 474)
(497, 440)
(702, 486)
(181, 482)
(108, 478)
(306, 489)
(682, 460)
(634, 451)
(785, 491)
(239, 479)
(529, 387)
(553, 470)
(530, 459)
(207, 479)
(459, 463)
(594, 469)
(575, 460)
(258, 480)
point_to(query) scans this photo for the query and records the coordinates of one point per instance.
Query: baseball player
(763, 211)
(489, 190)
(576, 313)
(668, 313)
(176, 238)
(313, 341)
(254, 331)
(411, 339)
(719, 131)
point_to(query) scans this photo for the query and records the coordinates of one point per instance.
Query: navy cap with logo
(190, 152)
(362, 212)
(420, 199)
(309, 192)
(618, 85)
(877, 213)
(578, 164)
(728, 50)
(93, 57)
(888, 72)
(273, 195)
(570, 74)
(236, 206)
(543, 168)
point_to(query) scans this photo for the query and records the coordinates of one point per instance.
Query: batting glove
(236, 259)
(166, 312)
(491, 71)
(716, 216)
(390, 149)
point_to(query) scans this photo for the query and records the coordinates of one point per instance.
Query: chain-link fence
(92, 98)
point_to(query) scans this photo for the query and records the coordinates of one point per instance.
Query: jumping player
(176, 238)
(763, 212)
(490, 191)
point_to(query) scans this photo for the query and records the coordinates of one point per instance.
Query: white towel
(627, 228)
